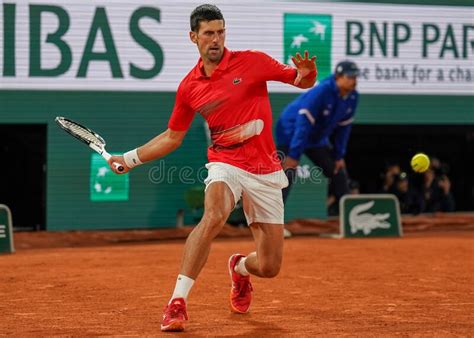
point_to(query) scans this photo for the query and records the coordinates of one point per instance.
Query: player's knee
(217, 217)
(214, 220)
(270, 270)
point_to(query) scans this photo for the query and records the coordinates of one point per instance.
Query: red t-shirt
(234, 101)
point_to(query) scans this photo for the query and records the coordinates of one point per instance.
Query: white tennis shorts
(261, 194)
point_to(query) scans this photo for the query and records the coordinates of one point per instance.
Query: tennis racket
(87, 136)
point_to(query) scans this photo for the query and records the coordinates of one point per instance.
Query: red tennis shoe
(241, 291)
(174, 315)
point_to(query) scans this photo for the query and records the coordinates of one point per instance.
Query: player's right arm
(163, 144)
(158, 147)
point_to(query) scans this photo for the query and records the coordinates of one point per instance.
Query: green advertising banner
(370, 216)
(125, 45)
(311, 32)
(105, 185)
(6, 232)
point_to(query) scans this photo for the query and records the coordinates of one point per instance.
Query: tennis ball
(420, 163)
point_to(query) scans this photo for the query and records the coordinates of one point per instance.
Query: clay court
(116, 283)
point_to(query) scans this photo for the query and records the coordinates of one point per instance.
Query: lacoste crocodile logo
(237, 80)
(366, 221)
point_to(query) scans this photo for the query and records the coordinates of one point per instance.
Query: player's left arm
(306, 70)
(303, 76)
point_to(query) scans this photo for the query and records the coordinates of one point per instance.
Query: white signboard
(126, 45)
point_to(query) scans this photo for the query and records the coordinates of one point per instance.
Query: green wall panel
(128, 119)
(405, 109)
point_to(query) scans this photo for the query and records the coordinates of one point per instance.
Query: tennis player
(229, 89)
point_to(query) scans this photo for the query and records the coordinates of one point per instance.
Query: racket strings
(83, 133)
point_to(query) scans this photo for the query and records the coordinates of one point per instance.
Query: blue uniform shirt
(314, 116)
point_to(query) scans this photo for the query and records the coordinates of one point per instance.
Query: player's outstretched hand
(118, 160)
(304, 66)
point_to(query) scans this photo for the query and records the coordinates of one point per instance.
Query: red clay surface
(421, 284)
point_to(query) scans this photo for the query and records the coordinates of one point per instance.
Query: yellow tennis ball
(420, 163)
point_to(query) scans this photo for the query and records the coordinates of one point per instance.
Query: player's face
(210, 40)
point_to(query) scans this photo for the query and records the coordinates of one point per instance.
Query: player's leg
(263, 207)
(219, 201)
(266, 261)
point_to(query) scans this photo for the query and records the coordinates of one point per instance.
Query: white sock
(182, 288)
(240, 267)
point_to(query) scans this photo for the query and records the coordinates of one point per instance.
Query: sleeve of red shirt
(273, 70)
(182, 114)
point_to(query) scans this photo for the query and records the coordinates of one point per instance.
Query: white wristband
(131, 158)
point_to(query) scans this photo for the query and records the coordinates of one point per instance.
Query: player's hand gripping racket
(83, 134)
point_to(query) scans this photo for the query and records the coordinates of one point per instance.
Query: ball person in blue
(318, 124)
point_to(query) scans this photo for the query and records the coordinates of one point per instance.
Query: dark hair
(204, 12)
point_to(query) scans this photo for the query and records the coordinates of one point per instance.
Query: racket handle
(117, 166)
